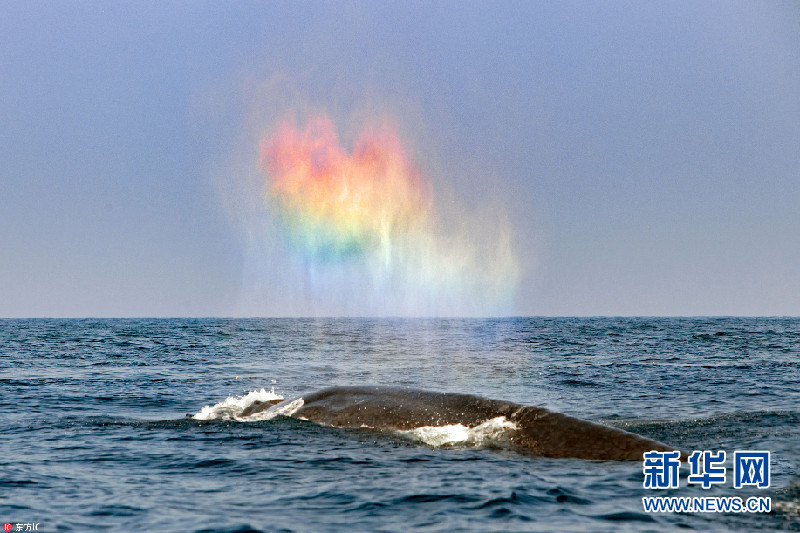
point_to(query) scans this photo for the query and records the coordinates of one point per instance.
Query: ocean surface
(103, 426)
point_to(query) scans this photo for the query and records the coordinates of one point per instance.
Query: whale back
(538, 430)
(550, 434)
(398, 408)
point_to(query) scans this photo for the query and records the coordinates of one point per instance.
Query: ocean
(133, 424)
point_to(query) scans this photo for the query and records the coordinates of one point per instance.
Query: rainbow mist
(363, 224)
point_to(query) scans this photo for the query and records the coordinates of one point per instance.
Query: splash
(494, 430)
(232, 406)
(365, 220)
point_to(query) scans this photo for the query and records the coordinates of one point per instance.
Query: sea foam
(494, 429)
(232, 407)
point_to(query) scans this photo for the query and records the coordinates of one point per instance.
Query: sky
(555, 158)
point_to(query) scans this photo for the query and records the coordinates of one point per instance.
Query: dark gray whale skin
(540, 432)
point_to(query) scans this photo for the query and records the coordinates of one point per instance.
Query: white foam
(494, 429)
(276, 410)
(232, 407)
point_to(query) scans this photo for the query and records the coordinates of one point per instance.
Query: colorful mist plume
(336, 204)
(367, 218)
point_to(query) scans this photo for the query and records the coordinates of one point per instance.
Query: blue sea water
(94, 432)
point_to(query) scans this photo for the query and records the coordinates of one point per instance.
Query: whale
(529, 430)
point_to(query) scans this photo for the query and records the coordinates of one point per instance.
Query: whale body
(532, 430)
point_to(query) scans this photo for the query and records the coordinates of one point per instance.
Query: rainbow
(370, 212)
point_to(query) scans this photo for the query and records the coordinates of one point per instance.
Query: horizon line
(378, 317)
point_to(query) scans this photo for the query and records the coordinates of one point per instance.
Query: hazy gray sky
(645, 157)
